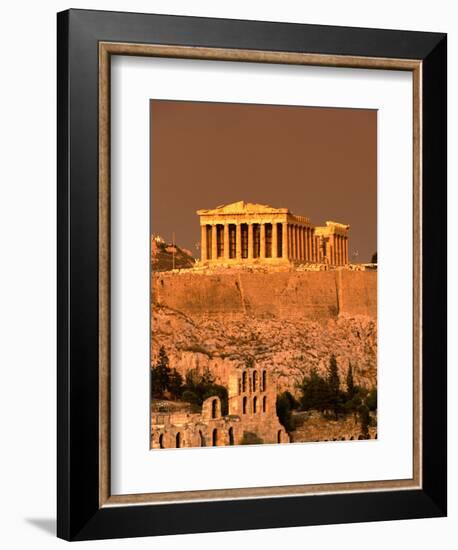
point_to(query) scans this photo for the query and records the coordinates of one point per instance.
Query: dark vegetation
(324, 394)
(167, 383)
(250, 438)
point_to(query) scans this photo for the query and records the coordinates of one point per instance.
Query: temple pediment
(242, 207)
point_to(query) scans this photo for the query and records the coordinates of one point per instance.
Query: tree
(155, 386)
(335, 401)
(190, 397)
(175, 384)
(365, 421)
(353, 405)
(293, 402)
(315, 394)
(283, 407)
(371, 399)
(160, 374)
(199, 387)
(163, 370)
(351, 389)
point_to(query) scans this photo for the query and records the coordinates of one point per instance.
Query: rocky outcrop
(288, 347)
(165, 257)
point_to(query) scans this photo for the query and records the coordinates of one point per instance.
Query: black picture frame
(80, 516)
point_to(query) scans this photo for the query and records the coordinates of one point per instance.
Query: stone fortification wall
(317, 295)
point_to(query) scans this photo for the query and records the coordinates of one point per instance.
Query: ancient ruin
(255, 233)
(251, 418)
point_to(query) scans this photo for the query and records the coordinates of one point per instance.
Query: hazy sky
(318, 162)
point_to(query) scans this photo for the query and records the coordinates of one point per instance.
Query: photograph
(263, 229)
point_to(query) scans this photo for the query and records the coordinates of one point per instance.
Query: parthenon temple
(243, 232)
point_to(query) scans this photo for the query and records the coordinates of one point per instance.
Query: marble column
(262, 248)
(274, 240)
(250, 241)
(308, 247)
(304, 244)
(300, 241)
(203, 243)
(306, 240)
(290, 242)
(226, 242)
(214, 249)
(238, 241)
(284, 240)
(346, 250)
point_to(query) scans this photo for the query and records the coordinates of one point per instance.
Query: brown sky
(318, 162)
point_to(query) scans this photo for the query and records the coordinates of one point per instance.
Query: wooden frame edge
(106, 49)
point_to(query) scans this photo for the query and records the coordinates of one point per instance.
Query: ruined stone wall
(209, 428)
(313, 427)
(318, 295)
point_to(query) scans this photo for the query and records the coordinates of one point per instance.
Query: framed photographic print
(252, 274)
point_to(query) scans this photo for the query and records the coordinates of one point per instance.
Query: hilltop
(167, 256)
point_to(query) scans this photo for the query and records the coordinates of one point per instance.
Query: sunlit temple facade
(243, 232)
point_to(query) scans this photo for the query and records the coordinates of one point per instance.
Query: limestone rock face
(290, 348)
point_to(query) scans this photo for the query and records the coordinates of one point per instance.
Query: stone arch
(244, 404)
(231, 436)
(255, 380)
(264, 380)
(202, 439)
(255, 405)
(161, 441)
(214, 408)
(178, 441)
(244, 376)
(215, 437)
(264, 404)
